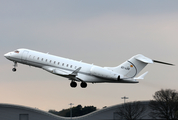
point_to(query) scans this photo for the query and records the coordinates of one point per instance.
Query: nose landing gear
(15, 65)
(14, 69)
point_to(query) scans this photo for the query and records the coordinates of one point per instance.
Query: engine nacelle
(104, 73)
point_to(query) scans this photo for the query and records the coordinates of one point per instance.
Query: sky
(102, 32)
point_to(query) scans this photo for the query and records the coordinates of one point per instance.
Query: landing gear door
(24, 56)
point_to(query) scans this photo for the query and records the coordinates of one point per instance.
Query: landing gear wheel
(73, 84)
(13, 69)
(83, 84)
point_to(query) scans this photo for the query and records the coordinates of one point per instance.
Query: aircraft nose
(6, 55)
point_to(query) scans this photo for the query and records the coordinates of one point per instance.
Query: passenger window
(54, 62)
(62, 64)
(38, 58)
(75, 67)
(67, 65)
(46, 60)
(42, 59)
(71, 66)
(58, 63)
(50, 61)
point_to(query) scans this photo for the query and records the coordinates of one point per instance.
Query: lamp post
(71, 110)
(124, 98)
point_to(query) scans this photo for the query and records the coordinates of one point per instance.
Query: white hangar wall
(17, 112)
(109, 113)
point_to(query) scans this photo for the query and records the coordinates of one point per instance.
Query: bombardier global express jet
(82, 72)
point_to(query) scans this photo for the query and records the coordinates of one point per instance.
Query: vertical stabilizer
(131, 67)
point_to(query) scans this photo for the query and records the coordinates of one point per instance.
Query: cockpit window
(16, 51)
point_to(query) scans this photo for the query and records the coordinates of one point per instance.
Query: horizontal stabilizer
(143, 59)
(141, 76)
(163, 62)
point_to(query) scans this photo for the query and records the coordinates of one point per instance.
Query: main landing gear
(73, 84)
(83, 84)
(15, 65)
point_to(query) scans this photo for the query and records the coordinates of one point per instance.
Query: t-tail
(130, 68)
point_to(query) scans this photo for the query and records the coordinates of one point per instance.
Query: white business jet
(82, 72)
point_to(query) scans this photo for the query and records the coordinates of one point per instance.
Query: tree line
(76, 111)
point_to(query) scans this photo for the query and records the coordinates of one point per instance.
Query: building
(17, 112)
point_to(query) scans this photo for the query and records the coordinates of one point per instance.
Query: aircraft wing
(61, 72)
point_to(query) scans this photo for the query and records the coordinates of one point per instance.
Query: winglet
(74, 73)
(141, 76)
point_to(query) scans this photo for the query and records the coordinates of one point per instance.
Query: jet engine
(104, 73)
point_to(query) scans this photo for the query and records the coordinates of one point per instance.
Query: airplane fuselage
(78, 70)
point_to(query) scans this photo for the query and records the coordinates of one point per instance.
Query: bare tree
(131, 111)
(164, 105)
